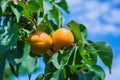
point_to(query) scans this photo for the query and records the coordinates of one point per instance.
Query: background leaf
(2, 66)
(8, 38)
(17, 55)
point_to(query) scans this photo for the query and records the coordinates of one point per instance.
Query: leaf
(74, 58)
(17, 55)
(63, 5)
(87, 75)
(41, 6)
(57, 15)
(63, 57)
(16, 12)
(41, 27)
(90, 52)
(84, 33)
(49, 23)
(2, 66)
(54, 60)
(98, 70)
(7, 73)
(3, 5)
(40, 77)
(24, 11)
(8, 38)
(47, 6)
(23, 50)
(105, 53)
(33, 6)
(75, 28)
(58, 75)
(29, 64)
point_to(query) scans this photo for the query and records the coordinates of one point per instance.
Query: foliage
(19, 18)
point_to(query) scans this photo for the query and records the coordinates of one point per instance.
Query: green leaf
(57, 15)
(63, 57)
(33, 6)
(24, 11)
(87, 75)
(63, 5)
(17, 55)
(47, 6)
(8, 37)
(29, 64)
(91, 54)
(58, 75)
(75, 28)
(23, 50)
(83, 31)
(74, 56)
(98, 70)
(2, 66)
(40, 77)
(16, 12)
(7, 73)
(41, 5)
(48, 23)
(54, 60)
(105, 53)
(41, 27)
(3, 5)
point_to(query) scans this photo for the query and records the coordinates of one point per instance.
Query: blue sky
(102, 19)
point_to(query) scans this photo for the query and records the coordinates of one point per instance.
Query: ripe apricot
(40, 42)
(62, 38)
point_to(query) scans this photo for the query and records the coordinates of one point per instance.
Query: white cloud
(89, 13)
(113, 16)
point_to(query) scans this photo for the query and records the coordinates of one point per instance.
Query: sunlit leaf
(54, 60)
(33, 6)
(16, 12)
(24, 11)
(3, 5)
(91, 53)
(47, 6)
(63, 58)
(63, 5)
(58, 75)
(75, 28)
(105, 53)
(29, 64)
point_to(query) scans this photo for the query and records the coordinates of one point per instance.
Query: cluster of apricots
(41, 42)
